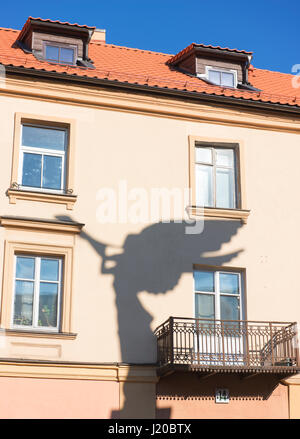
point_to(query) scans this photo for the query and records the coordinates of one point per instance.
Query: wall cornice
(79, 371)
(129, 101)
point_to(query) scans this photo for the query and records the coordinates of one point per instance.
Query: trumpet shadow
(153, 261)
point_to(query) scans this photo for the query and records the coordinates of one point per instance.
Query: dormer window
(57, 42)
(213, 64)
(60, 53)
(226, 78)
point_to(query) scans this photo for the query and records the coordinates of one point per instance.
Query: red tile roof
(143, 67)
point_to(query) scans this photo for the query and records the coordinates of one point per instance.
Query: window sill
(38, 334)
(216, 212)
(46, 197)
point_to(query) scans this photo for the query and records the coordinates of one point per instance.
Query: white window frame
(217, 294)
(214, 168)
(220, 70)
(60, 46)
(43, 152)
(36, 293)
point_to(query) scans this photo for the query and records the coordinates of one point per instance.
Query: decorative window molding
(214, 212)
(43, 197)
(25, 243)
(40, 224)
(38, 334)
(239, 212)
(63, 196)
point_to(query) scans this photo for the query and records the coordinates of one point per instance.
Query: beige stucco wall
(152, 278)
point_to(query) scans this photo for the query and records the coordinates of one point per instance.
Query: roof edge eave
(155, 89)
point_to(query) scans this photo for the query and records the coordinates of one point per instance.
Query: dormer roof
(56, 26)
(208, 49)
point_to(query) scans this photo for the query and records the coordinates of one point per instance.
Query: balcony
(223, 346)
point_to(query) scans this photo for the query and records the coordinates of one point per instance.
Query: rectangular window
(218, 295)
(219, 312)
(215, 177)
(60, 54)
(37, 292)
(221, 77)
(42, 158)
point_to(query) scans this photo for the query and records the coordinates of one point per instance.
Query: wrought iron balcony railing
(225, 345)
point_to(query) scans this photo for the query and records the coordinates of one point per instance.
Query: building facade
(149, 230)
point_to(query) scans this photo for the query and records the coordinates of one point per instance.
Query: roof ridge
(102, 43)
(9, 29)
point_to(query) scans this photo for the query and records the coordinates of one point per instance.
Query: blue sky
(269, 28)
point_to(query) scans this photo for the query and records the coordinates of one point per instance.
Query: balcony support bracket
(204, 376)
(249, 375)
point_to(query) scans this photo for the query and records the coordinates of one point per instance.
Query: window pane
(48, 304)
(229, 283)
(49, 269)
(32, 168)
(52, 52)
(205, 306)
(204, 281)
(203, 155)
(40, 137)
(225, 157)
(229, 308)
(204, 185)
(227, 79)
(52, 172)
(23, 303)
(225, 196)
(25, 268)
(66, 55)
(214, 76)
